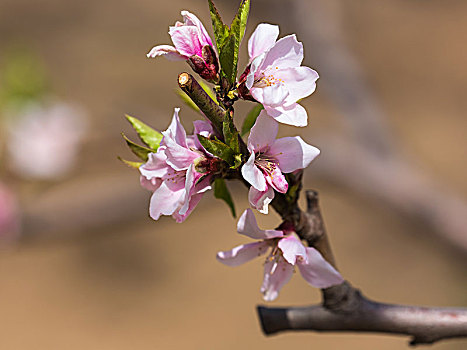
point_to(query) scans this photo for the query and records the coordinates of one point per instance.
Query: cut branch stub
(205, 103)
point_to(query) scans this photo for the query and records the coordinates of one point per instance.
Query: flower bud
(243, 91)
(206, 66)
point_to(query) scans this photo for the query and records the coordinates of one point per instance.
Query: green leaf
(238, 25)
(222, 192)
(230, 133)
(208, 90)
(251, 118)
(228, 58)
(187, 100)
(148, 135)
(221, 31)
(134, 165)
(217, 148)
(140, 151)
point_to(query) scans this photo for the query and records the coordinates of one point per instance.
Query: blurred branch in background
(366, 159)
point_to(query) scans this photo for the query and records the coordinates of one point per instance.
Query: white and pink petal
(243, 253)
(317, 271)
(167, 51)
(248, 226)
(276, 274)
(263, 38)
(293, 153)
(253, 175)
(260, 199)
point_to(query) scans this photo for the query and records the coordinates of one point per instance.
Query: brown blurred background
(91, 270)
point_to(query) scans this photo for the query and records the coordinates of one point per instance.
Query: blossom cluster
(180, 168)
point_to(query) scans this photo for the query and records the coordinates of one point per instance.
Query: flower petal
(263, 38)
(156, 165)
(272, 95)
(247, 226)
(276, 275)
(242, 253)
(262, 134)
(151, 185)
(253, 175)
(254, 70)
(204, 128)
(167, 51)
(178, 157)
(287, 52)
(191, 20)
(317, 271)
(186, 40)
(189, 186)
(165, 201)
(293, 114)
(293, 153)
(176, 131)
(260, 199)
(276, 179)
(300, 81)
(292, 248)
(194, 200)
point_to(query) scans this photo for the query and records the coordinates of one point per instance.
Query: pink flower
(171, 173)
(275, 77)
(287, 251)
(188, 37)
(270, 158)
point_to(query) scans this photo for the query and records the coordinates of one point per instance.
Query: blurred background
(83, 266)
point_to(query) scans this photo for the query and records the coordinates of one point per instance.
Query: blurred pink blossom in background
(9, 213)
(43, 141)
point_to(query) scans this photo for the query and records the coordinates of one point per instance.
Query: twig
(425, 325)
(344, 308)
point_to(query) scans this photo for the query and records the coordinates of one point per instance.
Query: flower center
(266, 79)
(266, 163)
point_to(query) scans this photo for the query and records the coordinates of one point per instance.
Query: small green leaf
(187, 100)
(251, 118)
(222, 192)
(148, 135)
(230, 133)
(140, 151)
(217, 148)
(221, 31)
(239, 22)
(228, 57)
(134, 165)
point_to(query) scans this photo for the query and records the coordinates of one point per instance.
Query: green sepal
(134, 165)
(230, 133)
(250, 119)
(222, 192)
(217, 148)
(140, 151)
